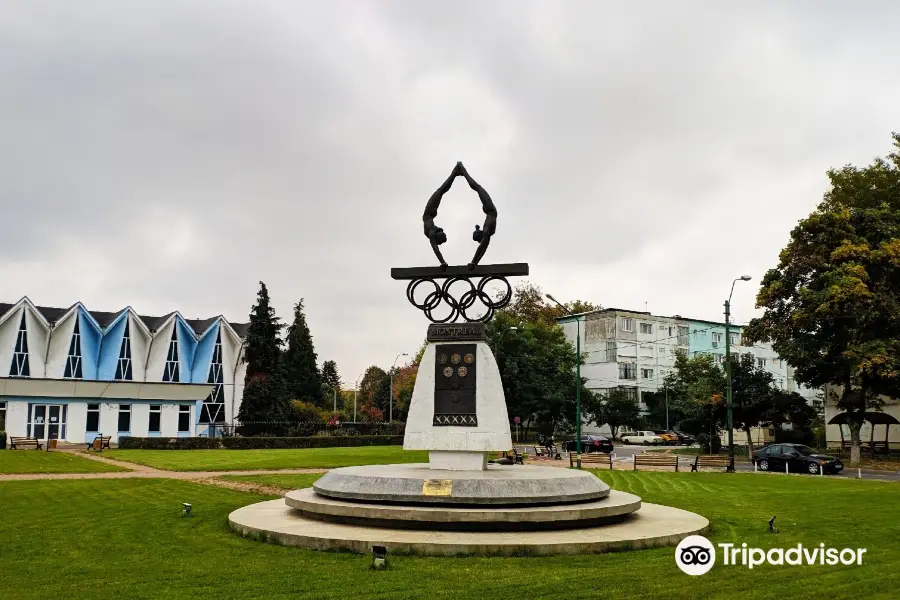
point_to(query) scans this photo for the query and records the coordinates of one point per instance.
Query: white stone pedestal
(459, 448)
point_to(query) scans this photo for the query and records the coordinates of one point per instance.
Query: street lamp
(355, 392)
(577, 377)
(391, 399)
(728, 372)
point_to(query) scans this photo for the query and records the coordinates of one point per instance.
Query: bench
(591, 458)
(104, 443)
(541, 451)
(719, 462)
(16, 443)
(655, 460)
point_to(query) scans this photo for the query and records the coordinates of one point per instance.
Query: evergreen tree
(301, 374)
(330, 377)
(263, 398)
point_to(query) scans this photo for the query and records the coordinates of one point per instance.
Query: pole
(578, 388)
(391, 399)
(665, 387)
(728, 386)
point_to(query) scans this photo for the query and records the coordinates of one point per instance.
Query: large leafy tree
(616, 408)
(753, 394)
(832, 305)
(531, 305)
(264, 398)
(374, 387)
(301, 373)
(696, 390)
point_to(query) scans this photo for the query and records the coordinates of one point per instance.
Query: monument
(460, 502)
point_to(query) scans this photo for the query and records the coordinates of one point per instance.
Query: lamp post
(728, 372)
(391, 399)
(577, 377)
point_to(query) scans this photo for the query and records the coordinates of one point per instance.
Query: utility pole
(355, 393)
(666, 388)
(577, 378)
(728, 402)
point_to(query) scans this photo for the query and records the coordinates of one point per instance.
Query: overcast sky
(170, 155)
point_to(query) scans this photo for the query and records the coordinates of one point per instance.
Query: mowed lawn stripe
(39, 461)
(238, 460)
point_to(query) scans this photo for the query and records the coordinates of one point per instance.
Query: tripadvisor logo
(695, 555)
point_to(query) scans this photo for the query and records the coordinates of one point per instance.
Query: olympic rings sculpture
(459, 307)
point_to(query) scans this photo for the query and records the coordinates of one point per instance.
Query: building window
(155, 418)
(646, 373)
(627, 324)
(2, 416)
(720, 358)
(124, 418)
(611, 352)
(662, 349)
(184, 419)
(19, 366)
(735, 339)
(627, 371)
(171, 372)
(716, 339)
(683, 336)
(646, 328)
(93, 418)
(630, 392)
(761, 363)
(780, 363)
(73, 362)
(123, 368)
(214, 407)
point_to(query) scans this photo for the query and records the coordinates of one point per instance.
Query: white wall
(60, 339)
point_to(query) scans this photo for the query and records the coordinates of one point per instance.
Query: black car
(685, 439)
(590, 443)
(797, 457)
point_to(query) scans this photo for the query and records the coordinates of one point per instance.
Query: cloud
(169, 155)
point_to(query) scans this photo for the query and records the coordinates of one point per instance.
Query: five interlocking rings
(458, 308)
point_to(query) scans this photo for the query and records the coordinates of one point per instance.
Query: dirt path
(144, 472)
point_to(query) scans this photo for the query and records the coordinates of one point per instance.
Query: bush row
(248, 443)
(311, 428)
(164, 443)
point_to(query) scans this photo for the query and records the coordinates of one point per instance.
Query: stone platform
(594, 513)
(504, 485)
(653, 525)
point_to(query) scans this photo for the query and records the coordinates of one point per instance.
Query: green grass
(34, 461)
(126, 539)
(237, 460)
(287, 482)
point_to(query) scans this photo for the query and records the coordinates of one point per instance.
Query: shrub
(164, 443)
(254, 443)
(307, 412)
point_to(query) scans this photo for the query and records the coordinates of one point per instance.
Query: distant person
(548, 444)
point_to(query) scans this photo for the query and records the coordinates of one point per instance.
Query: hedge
(247, 443)
(164, 443)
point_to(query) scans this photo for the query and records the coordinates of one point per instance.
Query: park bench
(655, 460)
(541, 451)
(16, 443)
(719, 462)
(594, 458)
(100, 442)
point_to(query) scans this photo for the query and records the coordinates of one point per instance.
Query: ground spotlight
(187, 510)
(379, 557)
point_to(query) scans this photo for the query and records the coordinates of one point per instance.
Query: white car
(642, 437)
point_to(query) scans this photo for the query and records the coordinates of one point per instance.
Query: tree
(832, 305)
(616, 409)
(696, 389)
(753, 394)
(331, 383)
(531, 305)
(372, 379)
(301, 374)
(263, 398)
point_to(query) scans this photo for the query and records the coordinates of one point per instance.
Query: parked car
(668, 437)
(799, 459)
(646, 438)
(685, 439)
(590, 443)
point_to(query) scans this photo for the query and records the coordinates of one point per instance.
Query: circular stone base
(482, 518)
(653, 525)
(498, 485)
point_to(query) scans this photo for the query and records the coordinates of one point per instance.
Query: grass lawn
(237, 460)
(34, 461)
(287, 482)
(126, 539)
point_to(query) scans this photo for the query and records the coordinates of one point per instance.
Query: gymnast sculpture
(482, 235)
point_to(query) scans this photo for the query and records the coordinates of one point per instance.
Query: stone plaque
(437, 487)
(454, 385)
(451, 332)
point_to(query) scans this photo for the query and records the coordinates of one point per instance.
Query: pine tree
(263, 398)
(301, 374)
(330, 377)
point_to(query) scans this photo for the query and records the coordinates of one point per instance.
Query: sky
(170, 155)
